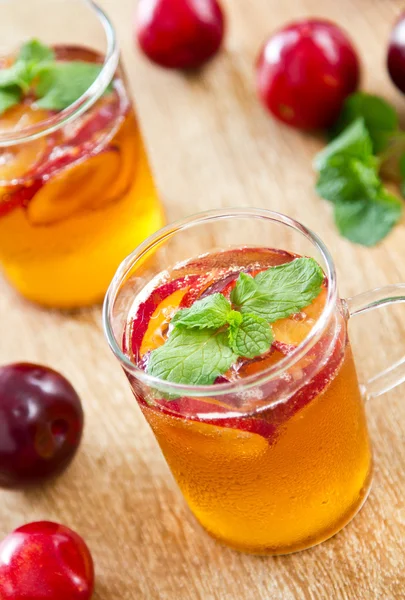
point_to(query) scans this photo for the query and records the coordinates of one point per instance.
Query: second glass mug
(303, 484)
(76, 190)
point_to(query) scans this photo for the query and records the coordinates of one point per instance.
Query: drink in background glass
(76, 187)
(274, 457)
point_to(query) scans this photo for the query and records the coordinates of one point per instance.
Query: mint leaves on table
(367, 221)
(380, 118)
(207, 338)
(350, 171)
(55, 84)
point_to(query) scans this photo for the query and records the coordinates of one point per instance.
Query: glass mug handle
(394, 374)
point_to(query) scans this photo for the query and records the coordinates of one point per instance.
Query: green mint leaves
(210, 312)
(252, 337)
(34, 53)
(207, 338)
(367, 221)
(380, 118)
(349, 171)
(23, 70)
(56, 85)
(9, 97)
(280, 291)
(15, 81)
(62, 83)
(193, 357)
(353, 142)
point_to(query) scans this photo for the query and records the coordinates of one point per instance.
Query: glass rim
(86, 101)
(251, 381)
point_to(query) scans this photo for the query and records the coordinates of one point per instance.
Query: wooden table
(212, 145)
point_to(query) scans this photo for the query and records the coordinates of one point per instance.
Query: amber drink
(273, 453)
(274, 481)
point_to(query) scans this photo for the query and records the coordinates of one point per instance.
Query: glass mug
(76, 190)
(264, 493)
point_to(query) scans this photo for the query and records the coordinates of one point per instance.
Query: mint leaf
(292, 286)
(62, 83)
(15, 76)
(252, 337)
(380, 118)
(246, 289)
(367, 221)
(353, 142)
(344, 179)
(35, 52)
(279, 291)
(210, 312)
(193, 357)
(9, 97)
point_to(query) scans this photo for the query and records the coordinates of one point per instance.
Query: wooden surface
(212, 145)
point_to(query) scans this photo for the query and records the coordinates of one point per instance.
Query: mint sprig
(207, 338)
(349, 171)
(55, 84)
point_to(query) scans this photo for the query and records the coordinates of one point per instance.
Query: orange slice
(83, 186)
(295, 329)
(210, 441)
(252, 367)
(156, 332)
(22, 159)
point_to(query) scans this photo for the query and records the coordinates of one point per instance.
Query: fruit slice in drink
(19, 163)
(79, 187)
